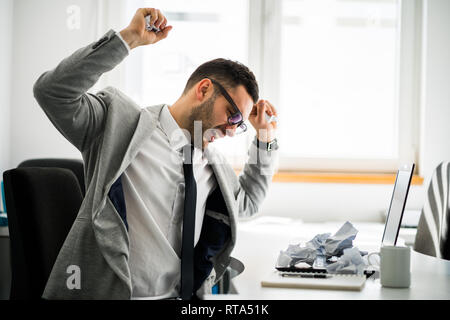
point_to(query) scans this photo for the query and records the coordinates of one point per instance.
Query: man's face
(215, 111)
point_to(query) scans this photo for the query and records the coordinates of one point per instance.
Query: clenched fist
(137, 35)
(265, 131)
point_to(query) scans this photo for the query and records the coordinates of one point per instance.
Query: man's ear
(202, 88)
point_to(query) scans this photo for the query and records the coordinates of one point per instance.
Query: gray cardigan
(108, 129)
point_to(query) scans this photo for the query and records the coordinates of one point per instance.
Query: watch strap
(268, 146)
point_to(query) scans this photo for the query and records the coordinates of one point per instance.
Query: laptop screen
(397, 207)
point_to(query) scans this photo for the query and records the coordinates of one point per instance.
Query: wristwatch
(268, 146)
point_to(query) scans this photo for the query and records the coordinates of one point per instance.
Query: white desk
(260, 241)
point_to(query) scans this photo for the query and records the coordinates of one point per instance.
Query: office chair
(42, 205)
(433, 233)
(75, 165)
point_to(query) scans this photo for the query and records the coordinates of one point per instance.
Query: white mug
(394, 265)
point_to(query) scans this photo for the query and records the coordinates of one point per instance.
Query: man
(152, 224)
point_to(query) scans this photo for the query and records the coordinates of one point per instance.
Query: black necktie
(187, 246)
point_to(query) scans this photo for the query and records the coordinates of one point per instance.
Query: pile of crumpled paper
(340, 245)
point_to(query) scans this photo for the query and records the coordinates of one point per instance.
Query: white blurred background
(360, 85)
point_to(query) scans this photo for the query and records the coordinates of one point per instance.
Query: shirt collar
(172, 130)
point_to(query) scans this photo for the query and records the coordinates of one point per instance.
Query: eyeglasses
(236, 119)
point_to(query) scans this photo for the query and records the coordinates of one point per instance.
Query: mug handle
(375, 264)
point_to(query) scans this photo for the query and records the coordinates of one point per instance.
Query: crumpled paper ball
(321, 245)
(351, 262)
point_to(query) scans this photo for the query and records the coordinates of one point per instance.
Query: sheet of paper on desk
(334, 282)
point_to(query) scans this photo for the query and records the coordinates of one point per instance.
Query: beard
(204, 113)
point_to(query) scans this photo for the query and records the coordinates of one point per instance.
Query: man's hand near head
(265, 130)
(137, 35)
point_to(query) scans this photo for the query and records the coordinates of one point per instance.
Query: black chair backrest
(42, 204)
(75, 165)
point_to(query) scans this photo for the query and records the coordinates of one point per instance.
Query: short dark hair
(228, 73)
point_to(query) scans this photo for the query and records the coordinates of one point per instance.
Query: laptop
(393, 220)
(397, 206)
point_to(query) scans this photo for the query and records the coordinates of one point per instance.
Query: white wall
(41, 46)
(317, 202)
(6, 27)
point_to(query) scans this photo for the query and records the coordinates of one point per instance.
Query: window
(338, 78)
(342, 87)
(340, 72)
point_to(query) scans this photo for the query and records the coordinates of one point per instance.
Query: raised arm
(62, 91)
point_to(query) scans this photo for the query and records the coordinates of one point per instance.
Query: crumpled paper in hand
(321, 245)
(351, 262)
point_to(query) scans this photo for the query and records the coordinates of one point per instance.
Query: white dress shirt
(153, 186)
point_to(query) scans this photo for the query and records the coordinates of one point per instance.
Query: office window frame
(265, 43)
